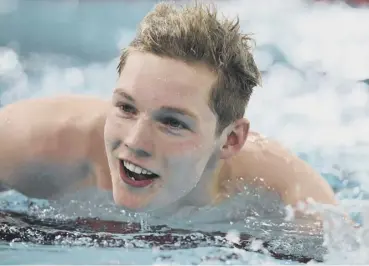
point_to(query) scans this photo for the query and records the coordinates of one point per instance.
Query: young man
(174, 134)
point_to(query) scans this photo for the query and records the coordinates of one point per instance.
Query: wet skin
(158, 119)
(162, 122)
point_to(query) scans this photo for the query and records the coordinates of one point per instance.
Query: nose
(139, 140)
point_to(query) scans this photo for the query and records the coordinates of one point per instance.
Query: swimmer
(174, 133)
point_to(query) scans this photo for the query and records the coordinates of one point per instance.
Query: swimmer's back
(49, 135)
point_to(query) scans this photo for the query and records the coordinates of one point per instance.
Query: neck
(207, 190)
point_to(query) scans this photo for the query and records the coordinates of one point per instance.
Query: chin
(142, 203)
(131, 201)
(133, 206)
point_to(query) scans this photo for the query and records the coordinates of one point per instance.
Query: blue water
(314, 99)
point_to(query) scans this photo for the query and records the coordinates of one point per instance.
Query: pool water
(31, 223)
(315, 63)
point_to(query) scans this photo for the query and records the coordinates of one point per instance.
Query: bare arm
(266, 163)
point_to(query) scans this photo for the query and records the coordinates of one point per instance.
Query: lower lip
(130, 181)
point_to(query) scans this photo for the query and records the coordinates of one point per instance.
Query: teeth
(136, 169)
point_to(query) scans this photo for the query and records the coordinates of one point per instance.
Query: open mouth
(135, 175)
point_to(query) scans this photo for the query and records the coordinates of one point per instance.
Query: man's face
(160, 132)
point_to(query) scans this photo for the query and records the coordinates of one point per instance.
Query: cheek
(190, 157)
(113, 126)
(181, 168)
(188, 146)
(185, 170)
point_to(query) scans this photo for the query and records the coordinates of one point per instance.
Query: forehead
(156, 81)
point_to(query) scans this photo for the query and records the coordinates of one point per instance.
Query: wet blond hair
(195, 33)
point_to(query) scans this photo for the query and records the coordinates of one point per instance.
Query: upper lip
(129, 161)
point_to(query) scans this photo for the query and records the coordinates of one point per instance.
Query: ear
(236, 135)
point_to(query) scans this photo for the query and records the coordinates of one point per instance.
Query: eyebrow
(169, 109)
(180, 111)
(124, 94)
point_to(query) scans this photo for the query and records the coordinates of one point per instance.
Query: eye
(127, 108)
(174, 123)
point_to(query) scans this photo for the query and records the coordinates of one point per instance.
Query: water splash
(314, 98)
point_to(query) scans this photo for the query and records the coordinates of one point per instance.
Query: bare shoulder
(57, 131)
(265, 162)
(43, 120)
(57, 107)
